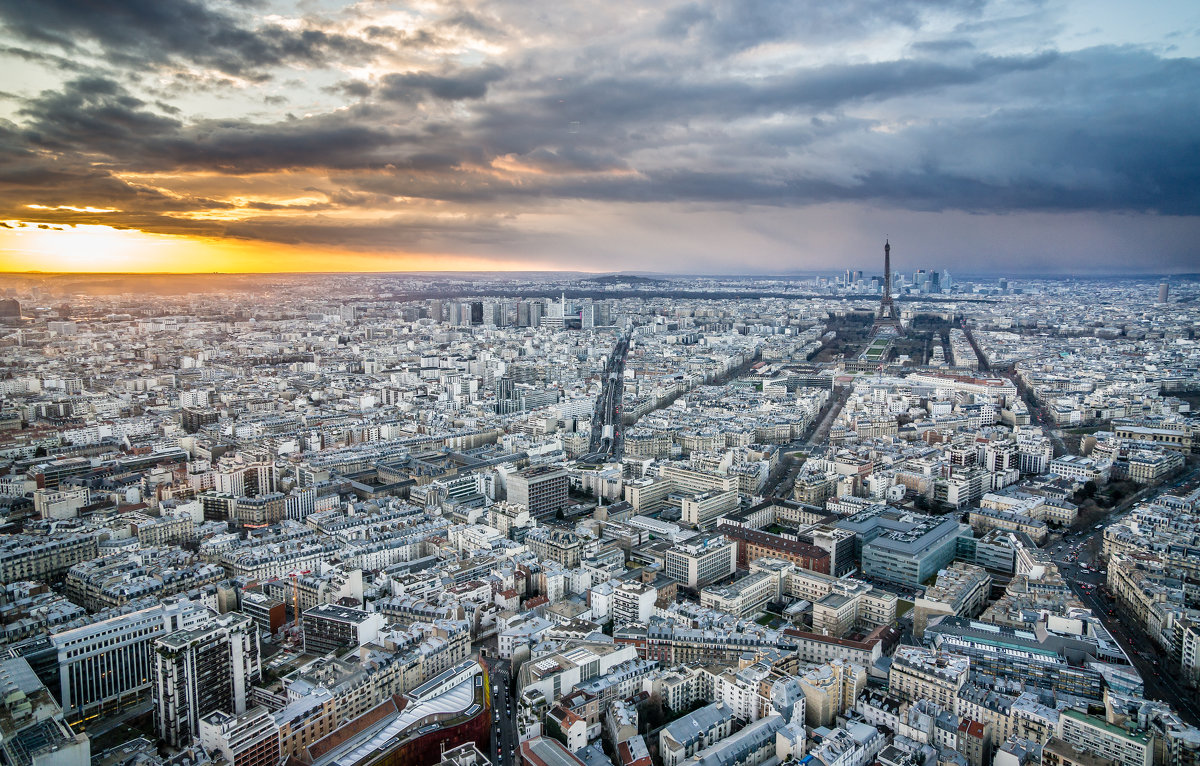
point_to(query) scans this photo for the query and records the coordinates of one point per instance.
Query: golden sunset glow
(103, 249)
(687, 136)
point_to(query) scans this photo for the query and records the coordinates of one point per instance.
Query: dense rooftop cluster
(363, 518)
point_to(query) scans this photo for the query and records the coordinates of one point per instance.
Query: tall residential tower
(202, 671)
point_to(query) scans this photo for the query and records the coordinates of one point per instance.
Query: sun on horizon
(95, 248)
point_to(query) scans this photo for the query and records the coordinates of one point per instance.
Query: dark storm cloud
(438, 34)
(154, 32)
(463, 85)
(620, 102)
(351, 88)
(467, 21)
(943, 46)
(1139, 155)
(28, 177)
(58, 62)
(605, 116)
(735, 25)
(97, 116)
(469, 84)
(391, 233)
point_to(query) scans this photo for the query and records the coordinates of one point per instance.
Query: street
(504, 714)
(781, 481)
(1078, 559)
(783, 477)
(840, 394)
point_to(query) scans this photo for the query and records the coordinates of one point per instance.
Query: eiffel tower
(885, 317)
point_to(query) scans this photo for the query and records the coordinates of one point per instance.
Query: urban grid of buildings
(906, 520)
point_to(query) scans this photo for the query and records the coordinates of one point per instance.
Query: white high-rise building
(201, 671)
(105, 665)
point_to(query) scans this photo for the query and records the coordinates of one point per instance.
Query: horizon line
(640, 274)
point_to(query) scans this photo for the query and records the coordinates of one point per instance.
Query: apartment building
(830, 689)
(679, 687)
(961, 589)
(633, 602)
(268, 613)
(984, 520)
(816, 648)
(250, 738)
(331, 689)
(60, 503)
(1122, 746)
(673, 644)
(751, 746)
(743, 597)
(557, 545)
(745, 688)
(1020, 716)
(542, 489)
(201, 671)
(43, 557)
(552, 676)
(108, 666)
(696, 731)
(1149, 467)
(918, 673)
(332, 627)
(702, 560)
(857, 604)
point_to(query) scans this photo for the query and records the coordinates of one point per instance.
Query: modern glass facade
(906, 548)
(108, 666)
(1008, 655)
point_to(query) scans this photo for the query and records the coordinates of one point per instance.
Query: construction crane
(296, 592)
(293, 576)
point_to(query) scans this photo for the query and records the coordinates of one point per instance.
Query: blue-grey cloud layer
(584, 104)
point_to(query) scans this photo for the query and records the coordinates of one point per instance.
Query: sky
(1033, 137)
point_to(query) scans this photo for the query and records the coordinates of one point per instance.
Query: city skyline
(519, 519)
(1015, 138)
